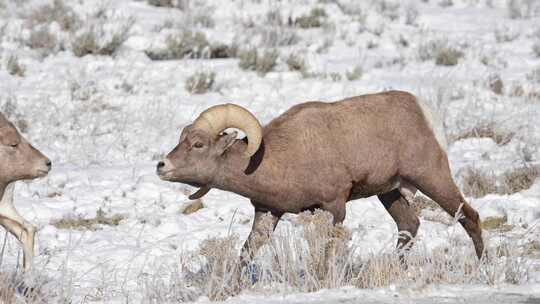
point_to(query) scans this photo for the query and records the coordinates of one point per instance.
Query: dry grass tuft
(476, 183)
(13, 289)
(421, 202)
(485, 130)
(495, 84)
(200, 82)
(7, 290)
(193, 207)
(179, 4)
(448, 56)
(80, 223)
(354, 74)
(498, 223)
(251, 60)
(57, 12)
(316, 255)
(193, 45)
(314, 19)
(519, 179)
(42, 40)
(296, 62)
(96, 39)
(536, 49)
(14, 67)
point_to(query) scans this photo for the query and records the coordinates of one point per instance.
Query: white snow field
(104, 87)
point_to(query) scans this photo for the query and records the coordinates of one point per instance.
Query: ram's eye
(14, 145)
(198, 145)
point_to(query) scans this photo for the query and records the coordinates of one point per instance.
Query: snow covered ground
(105, 118)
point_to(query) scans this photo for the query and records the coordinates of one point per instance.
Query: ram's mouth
(42, 173)
(164, 175)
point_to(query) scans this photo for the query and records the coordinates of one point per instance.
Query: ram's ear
(184, 132)
(225, 141)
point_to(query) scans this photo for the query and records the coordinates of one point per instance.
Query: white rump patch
(435, 123)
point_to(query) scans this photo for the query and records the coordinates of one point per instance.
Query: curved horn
(218, 118)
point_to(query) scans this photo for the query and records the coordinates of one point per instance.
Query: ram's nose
(160, 165)
(164, 168)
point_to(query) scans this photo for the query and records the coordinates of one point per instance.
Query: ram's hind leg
(403, 214)
(436, 182)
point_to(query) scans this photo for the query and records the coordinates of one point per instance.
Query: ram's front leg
(264, 224)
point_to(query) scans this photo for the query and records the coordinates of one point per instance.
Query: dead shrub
(319, 257)
(429, 49)
(314, 19)
(496, 223)
(96, 40)
(251, 60)
(495, 84)
(58, 12)
(505, 34)
(13, 289)
(519, 179)
(193, 207)
(221, 265)
(534, 76)
(448, 56)
(42, 40)
(536, 49)
(187, 44)
(355, 73)
(275, 37)
(297, 63)
(200, 82)
(14, 67)
(485, 130)
(518, 9)
(7, 290)
(80, 223)
(476, 183)
(421, 202)
(180, 4)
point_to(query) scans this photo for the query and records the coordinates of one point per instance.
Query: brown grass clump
(519, 179)
(251, 60)
(326, 247)
(80, 223)
(314, 19)
(315, 255)
(476, 183)
(200, 82)
(485, 130)
(421, 202)
(91, 40)
(496, 223)
(7, 290)
(448, 56)
(193, 207)
(13, 289)
(58, 12)
(14, 67)
(221, 257)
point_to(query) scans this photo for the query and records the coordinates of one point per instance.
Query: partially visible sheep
(18, 161)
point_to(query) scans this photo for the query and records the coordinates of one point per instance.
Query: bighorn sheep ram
(322, 155)
(19, 160)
